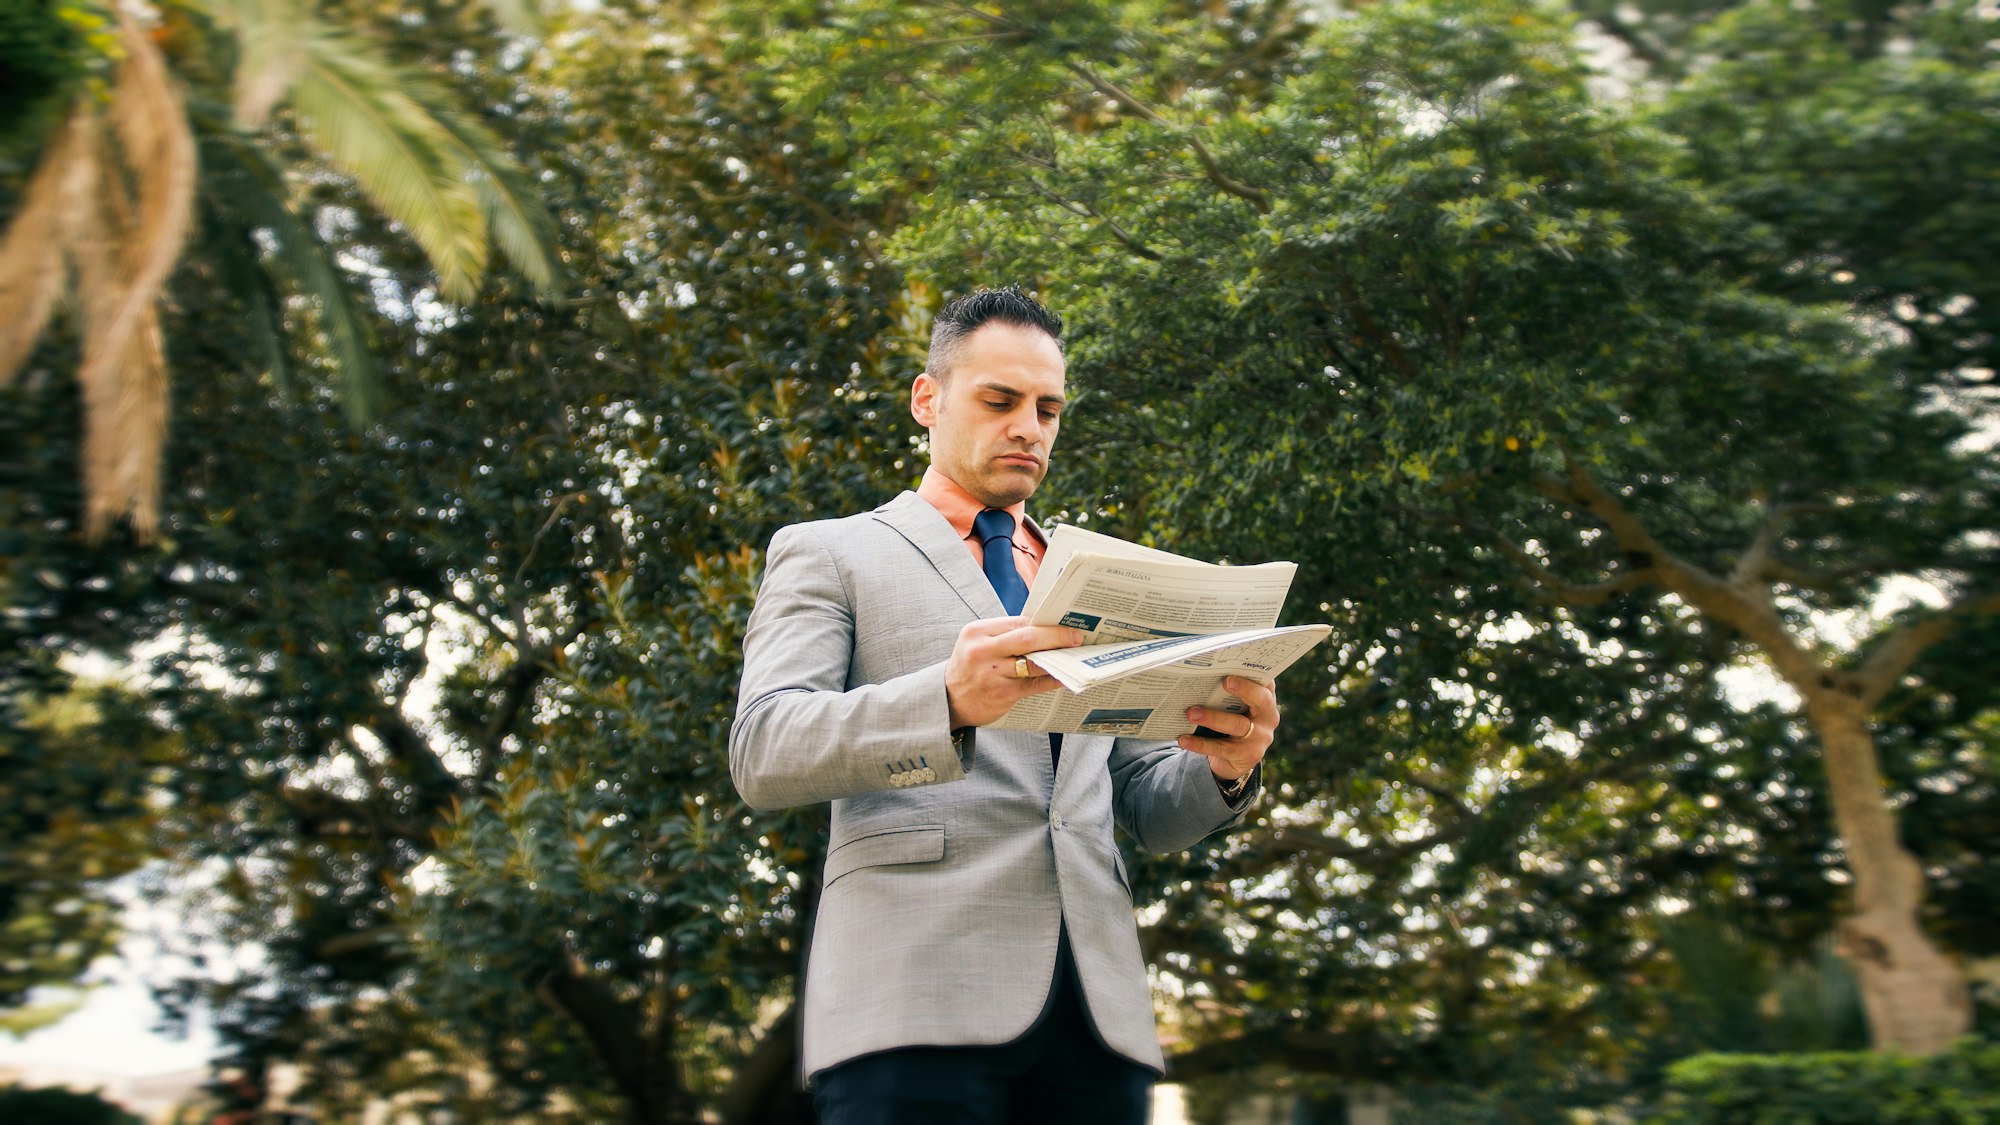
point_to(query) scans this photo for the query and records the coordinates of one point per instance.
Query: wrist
(1223, 777)
(1234, 789)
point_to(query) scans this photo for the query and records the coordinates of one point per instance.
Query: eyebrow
(1002, 388)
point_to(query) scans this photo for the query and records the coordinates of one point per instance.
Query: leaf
(522, 17)
(521, 225)
(303, 260)
(354, 107)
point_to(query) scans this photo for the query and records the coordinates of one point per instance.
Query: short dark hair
(962, 316)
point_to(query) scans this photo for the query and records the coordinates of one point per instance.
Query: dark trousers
(1057, 1072)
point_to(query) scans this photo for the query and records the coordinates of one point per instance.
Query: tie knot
(993, 524)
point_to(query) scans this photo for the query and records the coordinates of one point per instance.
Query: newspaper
(1160, 632)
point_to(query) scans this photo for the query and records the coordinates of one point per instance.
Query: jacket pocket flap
(917, 843)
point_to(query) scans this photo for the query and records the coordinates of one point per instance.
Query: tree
(78, 760)
(1475, 348)
(118, 190)
(528, 864)
(55, 1106)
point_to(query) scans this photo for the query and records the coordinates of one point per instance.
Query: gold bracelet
(1235, 788)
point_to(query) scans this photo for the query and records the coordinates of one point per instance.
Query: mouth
(1022, 460)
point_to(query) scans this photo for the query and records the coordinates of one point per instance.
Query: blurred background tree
(1549, 412)
(171, 147)
(1604, 418)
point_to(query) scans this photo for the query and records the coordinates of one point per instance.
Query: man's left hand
(1244, 739)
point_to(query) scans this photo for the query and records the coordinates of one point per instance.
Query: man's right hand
(979, 680)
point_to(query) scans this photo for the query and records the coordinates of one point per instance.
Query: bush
(1960, 1086)
(20, 1105)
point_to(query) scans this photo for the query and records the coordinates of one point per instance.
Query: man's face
(993, 419)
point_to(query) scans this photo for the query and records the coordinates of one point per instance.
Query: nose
(1024, 424)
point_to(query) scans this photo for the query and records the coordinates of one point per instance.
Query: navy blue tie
(995, 529)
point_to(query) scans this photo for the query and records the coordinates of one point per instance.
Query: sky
(116, 1030)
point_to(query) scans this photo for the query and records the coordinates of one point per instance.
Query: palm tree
(114, 197)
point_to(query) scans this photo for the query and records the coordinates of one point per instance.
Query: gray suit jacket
(948, 872)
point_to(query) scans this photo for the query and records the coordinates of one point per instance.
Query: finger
(1262, 699)
(991, 626)
(1014, 690)
(1007, 668)
(1226, 751)
(1226, 723)
(1037, 638)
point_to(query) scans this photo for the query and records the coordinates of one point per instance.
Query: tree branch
(1752, 615)
(1257, 197)
(485, 617)
(1893, 655)
(325, 815)
(762, 1084)
(1350, 297)
(518, 684)
(616, 1028)
(1760, 562)
(1564, 592)
(407, 745)
(1635, 41)
(1084, 210)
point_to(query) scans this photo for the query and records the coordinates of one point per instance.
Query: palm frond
(32, 267)
(270, 43)
(522, 227)
(352, 106)
(228, 242)
(522, 17)
(158, 151)
(438, 173)
(125, 431)
(128, 237)
(256, 187)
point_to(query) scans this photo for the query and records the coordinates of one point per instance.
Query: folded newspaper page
(1160, 632)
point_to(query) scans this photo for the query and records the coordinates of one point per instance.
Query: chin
(1008, 492)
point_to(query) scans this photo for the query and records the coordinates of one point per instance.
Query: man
(975, 956)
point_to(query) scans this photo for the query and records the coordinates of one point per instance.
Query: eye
(996, 405)
(1049, 415)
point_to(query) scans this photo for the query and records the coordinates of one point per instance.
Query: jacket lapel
(928, 531)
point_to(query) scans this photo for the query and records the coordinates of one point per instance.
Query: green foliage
(76, 779)
(48, 49)
(22, 1105)
(1832, 1088)
(1875, 175)
(447, 694)
(454, 688)
(1377, 301)
(78, 760)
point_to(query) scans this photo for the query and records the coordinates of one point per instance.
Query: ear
(924, 400)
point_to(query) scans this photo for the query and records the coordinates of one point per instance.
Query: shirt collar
(959, 507)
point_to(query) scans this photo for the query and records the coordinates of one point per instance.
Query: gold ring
(1021, 668)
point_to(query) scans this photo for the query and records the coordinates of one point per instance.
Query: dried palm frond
(110, 209)
(33, 256)
(111, 203)
(147, 208)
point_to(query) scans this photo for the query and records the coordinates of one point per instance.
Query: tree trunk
(642, 1068)
(765, 1089)
(1916, 997)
